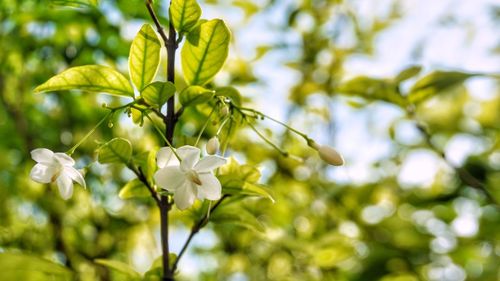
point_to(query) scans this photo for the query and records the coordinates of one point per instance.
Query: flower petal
(210, 187)
(64, 159)
(75, 175)
(189, 155)
(165, 157)
(43, 173)
(42, 155)
(185, 195)
(170, 178)
(65, 185)
(209, 163)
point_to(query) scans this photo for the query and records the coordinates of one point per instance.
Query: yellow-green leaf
(144, 57)
(18, 266)
(157, 93)
(436, 82)
(372, 89)
(184, 14)
(92, 78)
(115, 151)
(134, 188)
(229, 92)
(121, 267)
(205, 51)
(408, 73)
(194, 95)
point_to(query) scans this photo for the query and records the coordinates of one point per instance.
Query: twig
(195, 229)
(159, 27)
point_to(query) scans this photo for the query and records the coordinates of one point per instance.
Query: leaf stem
(163, 136)
(204, 126)
(72, 150)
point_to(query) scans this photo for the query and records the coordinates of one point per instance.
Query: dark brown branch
(140, 175)
(195, 229)
(159, 27)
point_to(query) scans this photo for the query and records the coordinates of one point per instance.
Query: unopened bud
(330, 155)
(212, 145)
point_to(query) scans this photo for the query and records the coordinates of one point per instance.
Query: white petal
(42, 155)
(170, 178)
(209, 163)
(43, 173)
(189, 155)
(65, 185)
(185, 195)
(165, 157)
(75, 175)
(64, 159)
(210, 187)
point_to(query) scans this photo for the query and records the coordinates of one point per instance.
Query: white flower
(190, 178)
(55, 167)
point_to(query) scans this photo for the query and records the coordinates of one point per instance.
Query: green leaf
(134, 188)
(184, 14)
(76, 3)
(205, 51)
(155, 272)
(117, 150)
(248, 189)
(237, 216)
(144, 57)
(231, 93)
(373, 89)
(435, 83)
(408, 73)
(92, 78)
(147, 162)
(157, 93)
(18, 266)
(121, 267)
(194, 95)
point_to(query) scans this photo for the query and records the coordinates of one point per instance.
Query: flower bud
(212, 145)
(330, 155)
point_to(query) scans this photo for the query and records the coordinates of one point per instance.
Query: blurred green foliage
(317, 229)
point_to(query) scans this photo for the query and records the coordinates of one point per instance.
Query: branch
(140, 175)
(195, 229)
(159, 27)
(464, 175)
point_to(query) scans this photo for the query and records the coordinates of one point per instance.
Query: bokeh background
(402, 208)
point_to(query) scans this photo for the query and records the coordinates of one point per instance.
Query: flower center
(193, 176)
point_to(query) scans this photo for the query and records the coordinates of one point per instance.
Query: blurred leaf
(17, 266)
(92, 78)
(237, 216)
(136, 116)
(249, 189)
(76, 3)
(134, 188)
(157, 93)
(372, 89)
(155, 272)
(205, 51)
(194, 95)
(144, 57)
(408, 73)
(147, 162)
(329, 257)
(435, 83)
(184, 14)
(231, 93)
(121, 267)
(117, 150)
(247, 6)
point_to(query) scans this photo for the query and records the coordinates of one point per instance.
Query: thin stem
(163, 136)
(72, 150)
(195, 229)
(204, 126)
(140, 175)
(264, 138)
(274, 120)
